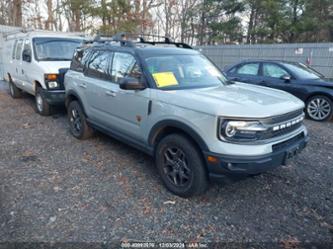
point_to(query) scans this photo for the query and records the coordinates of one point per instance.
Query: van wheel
(319, 108)
(77, 121)
(180, 166)
(42, 106)
(14, 91)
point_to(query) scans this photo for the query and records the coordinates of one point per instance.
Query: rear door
(247, 73)
(17, 64)
(98, 88)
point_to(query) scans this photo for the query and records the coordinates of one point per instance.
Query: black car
(296, 78)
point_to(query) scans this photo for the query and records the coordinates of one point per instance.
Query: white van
(31, 64)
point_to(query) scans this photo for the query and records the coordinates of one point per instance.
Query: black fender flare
(161, 125)
(73, 93)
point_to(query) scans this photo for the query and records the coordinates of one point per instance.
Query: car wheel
(180, 166)
(13, 90)
(77, 121)
(319, 108)
(42, 106)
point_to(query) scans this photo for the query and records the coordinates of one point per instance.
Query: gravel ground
(56, 188)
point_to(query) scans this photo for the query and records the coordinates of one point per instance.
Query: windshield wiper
(230, 82)
(54, 59)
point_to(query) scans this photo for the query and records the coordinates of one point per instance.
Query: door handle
(22, 71)
(82, 85)
(111, 93)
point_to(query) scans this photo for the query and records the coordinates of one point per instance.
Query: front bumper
(55, 97)
(251, 165)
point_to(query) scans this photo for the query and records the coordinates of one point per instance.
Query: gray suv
(171, 102)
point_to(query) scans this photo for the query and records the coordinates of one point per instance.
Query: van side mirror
(26, 55)
(286, 78)
(130, 83)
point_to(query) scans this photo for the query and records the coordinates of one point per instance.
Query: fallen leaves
(169, 202)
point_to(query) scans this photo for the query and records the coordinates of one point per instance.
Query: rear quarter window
(79, 59)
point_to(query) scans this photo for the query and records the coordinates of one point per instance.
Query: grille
(282, 120)
(282, 145)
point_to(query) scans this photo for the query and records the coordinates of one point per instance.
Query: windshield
(52, 49)
(172, 72)
(302, 72)
(311, 70)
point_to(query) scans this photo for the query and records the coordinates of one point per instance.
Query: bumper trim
(54, 97)
(251, 165)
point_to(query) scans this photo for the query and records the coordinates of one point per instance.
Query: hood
(236, 100)
(53, 66)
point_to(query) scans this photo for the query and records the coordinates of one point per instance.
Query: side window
(99, 65)
(272, 70)
(14, 50)
(79, 59)
(19, 50)
(123, 65)
(249, 69)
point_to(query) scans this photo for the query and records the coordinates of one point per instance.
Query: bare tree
(16, 13)
(50, 21)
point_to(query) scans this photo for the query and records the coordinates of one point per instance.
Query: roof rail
(167, 40)
(124, 39)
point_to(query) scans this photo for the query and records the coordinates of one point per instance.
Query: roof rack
(122, 39)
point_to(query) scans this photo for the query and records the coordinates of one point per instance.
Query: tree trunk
(17, 13)
(49, 22)
(250, 27)
(77, 17)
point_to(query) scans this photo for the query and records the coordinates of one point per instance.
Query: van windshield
(172, 72)
(55, 49)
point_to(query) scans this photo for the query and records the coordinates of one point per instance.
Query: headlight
(52, 84)
(234, 130)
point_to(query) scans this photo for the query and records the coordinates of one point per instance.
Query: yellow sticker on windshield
(165, 79)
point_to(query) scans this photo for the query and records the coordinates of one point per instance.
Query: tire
(42, 106)
(185, 175)
(319, 108)
(78, 122)
(13, 90)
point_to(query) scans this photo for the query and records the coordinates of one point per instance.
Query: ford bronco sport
(171, 102)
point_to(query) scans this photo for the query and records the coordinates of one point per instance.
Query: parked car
(32, 61)
(174, 104)
(298, 79)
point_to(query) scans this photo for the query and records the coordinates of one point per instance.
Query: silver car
(174, 104)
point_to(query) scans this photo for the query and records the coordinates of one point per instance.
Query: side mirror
(130, 83)
(26, 55)
(286, 78)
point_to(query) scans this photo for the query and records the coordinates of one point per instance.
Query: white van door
(17, 64)
(27, 67)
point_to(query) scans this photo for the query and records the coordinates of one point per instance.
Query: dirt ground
(55, 188)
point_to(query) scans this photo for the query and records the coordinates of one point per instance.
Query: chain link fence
(317, 55)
